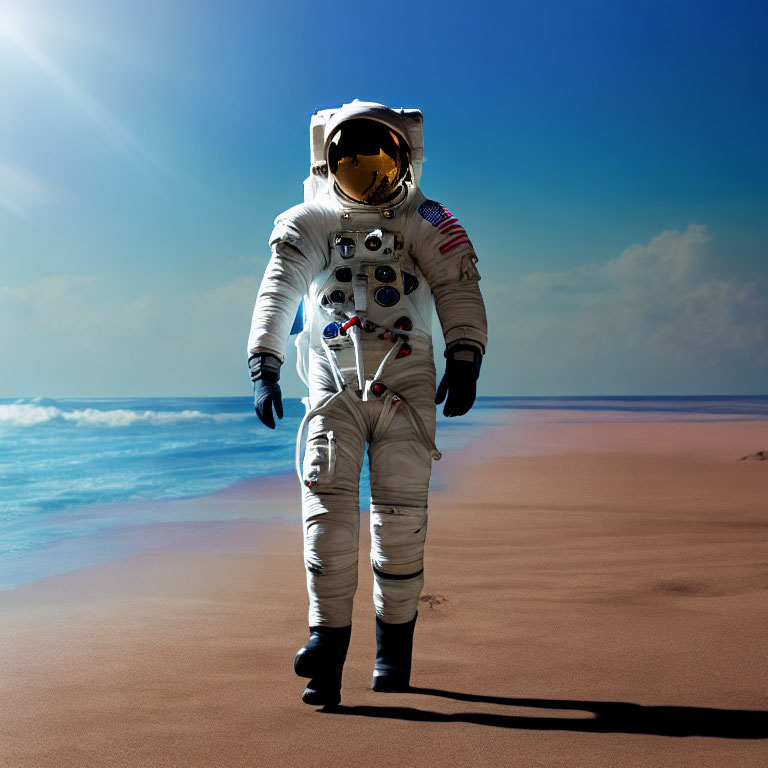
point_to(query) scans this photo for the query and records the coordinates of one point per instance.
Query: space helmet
(367, 160)
(367, 152)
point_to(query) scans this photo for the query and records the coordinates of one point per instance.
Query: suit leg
(331, 515)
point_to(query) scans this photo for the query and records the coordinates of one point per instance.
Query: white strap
(354, 332)
(418, 425)
(319, 408)
(335, 370)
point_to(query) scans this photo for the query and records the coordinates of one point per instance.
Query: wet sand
(596, 595)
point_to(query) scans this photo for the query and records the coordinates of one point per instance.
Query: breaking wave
(43, 411)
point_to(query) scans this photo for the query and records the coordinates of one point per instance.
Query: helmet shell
(407, 123)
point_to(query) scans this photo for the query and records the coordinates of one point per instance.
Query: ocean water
(64, 462)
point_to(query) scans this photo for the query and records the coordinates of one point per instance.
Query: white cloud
(646, 321)
(70, 336)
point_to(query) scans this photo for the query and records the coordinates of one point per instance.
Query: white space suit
(368, 273)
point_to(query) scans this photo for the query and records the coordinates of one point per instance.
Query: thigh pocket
(319, 461)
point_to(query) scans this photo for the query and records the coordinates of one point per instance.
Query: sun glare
(16, 33)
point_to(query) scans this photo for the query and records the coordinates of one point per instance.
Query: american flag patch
(446, 223)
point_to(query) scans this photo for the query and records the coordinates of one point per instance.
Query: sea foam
(28, 414)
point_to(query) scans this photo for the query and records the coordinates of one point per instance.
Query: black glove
(459, 382)
(265, 374)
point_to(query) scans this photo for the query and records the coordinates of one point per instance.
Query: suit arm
(452, 275)
(292, 267)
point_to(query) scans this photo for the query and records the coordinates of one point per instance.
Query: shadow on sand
(606, 717)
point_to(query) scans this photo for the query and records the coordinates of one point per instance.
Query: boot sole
(381, 684)
(322, 697)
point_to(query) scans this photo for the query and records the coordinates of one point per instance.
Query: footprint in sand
(434, 601)
(759, 456)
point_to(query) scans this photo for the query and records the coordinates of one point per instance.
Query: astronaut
(365, 256)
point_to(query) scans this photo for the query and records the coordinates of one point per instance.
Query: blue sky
(608, 160)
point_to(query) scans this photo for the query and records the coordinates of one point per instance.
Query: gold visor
(367, 160)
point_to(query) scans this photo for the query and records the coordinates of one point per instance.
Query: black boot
(322, 659)
(394, 645)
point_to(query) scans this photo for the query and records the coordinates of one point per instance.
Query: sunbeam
(14, 33)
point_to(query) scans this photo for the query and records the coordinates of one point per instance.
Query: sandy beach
(596, 595)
